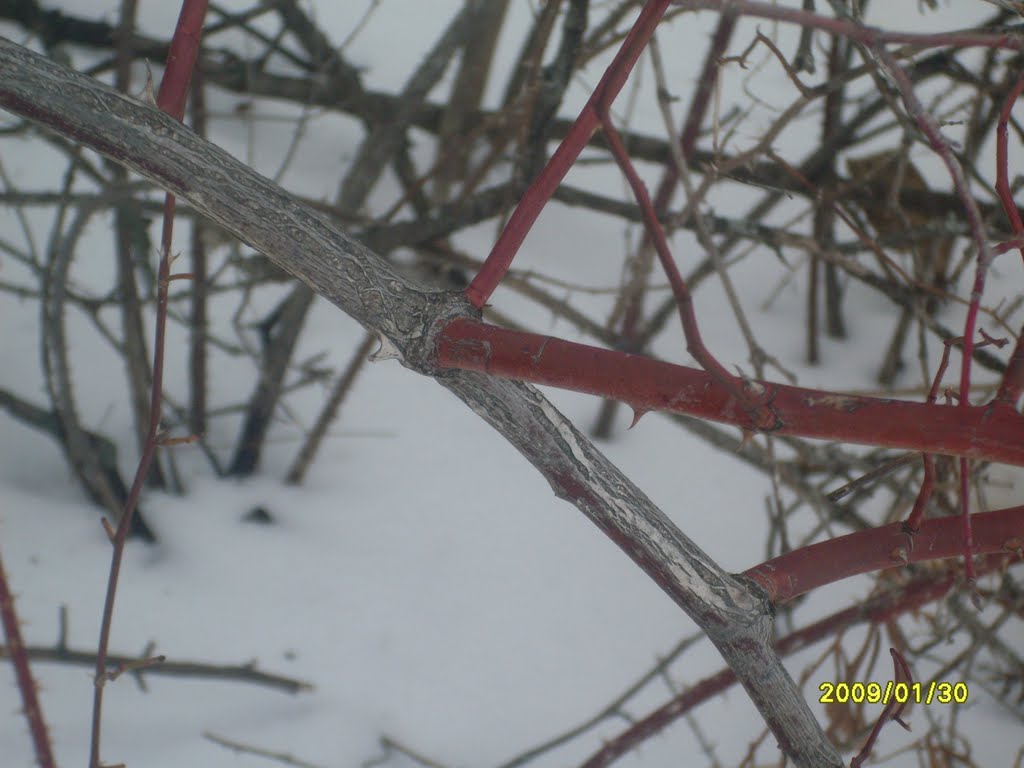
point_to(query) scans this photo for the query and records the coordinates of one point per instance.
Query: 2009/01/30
(901, 693)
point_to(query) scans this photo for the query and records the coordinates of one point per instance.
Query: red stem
(544, 186)
(993, 431)
(23, 674)
(181, 58)
(817, 565)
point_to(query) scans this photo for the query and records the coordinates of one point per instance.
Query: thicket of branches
(898, 490)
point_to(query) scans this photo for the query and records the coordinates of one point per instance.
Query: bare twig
(278, 757)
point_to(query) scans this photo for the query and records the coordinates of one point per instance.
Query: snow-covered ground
(424, 578)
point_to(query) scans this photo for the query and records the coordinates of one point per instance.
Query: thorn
(1015, 546)
(148, 95)
(972, 593)
(899, 555)
(163, 440)
(135, 667)
(109, 529)
(386, 351)
(665, 96)
(840, 492)
(62, 632)
(909, 533)
(746, 438)
(638, 413)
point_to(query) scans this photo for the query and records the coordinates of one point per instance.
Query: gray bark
(732, 611)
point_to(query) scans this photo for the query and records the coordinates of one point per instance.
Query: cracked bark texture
(732, 611)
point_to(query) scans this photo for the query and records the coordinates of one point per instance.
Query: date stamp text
(935, 692)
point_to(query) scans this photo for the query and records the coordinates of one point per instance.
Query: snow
(424, 578)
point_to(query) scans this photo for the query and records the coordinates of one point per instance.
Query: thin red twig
(913, 522)
(1007, 245)
(1002, 163)
(924, 494)
(1012, 386)
(860, 33)
(931, 131)
(1013, 378)
(669, 182)
(171, 98)
(941, 146)
(893, 709)
(23, 674)
(761, 416)
(544, 186)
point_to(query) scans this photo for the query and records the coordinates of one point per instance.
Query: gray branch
(733, 612)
